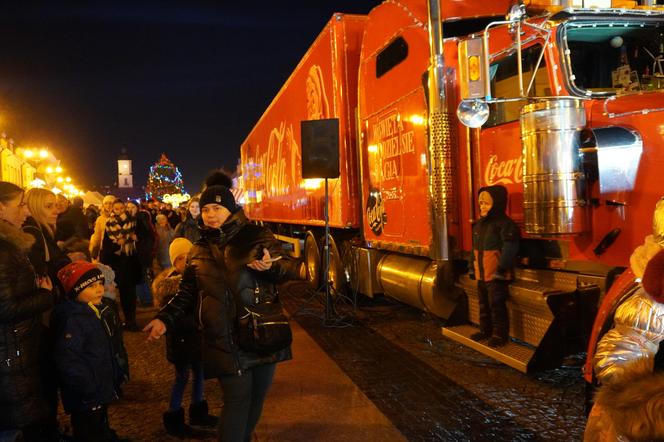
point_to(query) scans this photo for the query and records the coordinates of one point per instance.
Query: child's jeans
(181, 378)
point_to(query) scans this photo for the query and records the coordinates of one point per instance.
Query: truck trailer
(561, 104)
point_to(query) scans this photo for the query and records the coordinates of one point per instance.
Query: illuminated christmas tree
(164, 179)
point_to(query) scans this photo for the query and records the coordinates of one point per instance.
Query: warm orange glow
(43, 153)
(474, 68)
(58, 169)
(60, 179)
(28, 153)
(49, 169)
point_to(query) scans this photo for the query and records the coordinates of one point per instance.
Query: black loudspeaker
(320, 148)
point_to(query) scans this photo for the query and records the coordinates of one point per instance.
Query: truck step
(515, 355)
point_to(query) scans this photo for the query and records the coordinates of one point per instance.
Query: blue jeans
(243, 402)
(181, 379)
(143, 291)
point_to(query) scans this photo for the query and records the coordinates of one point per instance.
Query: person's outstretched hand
(264, 263)
(156, 328)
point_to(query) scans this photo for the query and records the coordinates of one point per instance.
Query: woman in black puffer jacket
(24, 297)
(225, 267)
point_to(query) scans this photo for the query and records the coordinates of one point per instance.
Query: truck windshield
(615, 58)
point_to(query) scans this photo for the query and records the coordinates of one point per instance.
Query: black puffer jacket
(205, 289)
(22, 400)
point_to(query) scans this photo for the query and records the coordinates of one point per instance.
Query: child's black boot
(175, 425)
(198, 415)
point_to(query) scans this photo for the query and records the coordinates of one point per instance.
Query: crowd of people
(65, 268)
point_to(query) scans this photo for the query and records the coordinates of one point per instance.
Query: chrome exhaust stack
(442, 198)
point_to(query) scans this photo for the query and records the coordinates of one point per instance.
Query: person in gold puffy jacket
(629, 403)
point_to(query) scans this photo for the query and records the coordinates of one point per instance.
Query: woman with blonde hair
(45, 255)
(100, 226)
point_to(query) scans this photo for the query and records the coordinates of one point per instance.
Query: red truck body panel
(323, 85)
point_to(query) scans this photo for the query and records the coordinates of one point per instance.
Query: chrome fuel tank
(553, 179)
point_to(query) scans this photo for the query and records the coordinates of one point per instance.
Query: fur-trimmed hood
(165, 286)
(635, 402)
(15, 236)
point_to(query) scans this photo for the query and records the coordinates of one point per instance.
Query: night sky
(188, 80)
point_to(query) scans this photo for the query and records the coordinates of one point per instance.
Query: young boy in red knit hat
(90, 357)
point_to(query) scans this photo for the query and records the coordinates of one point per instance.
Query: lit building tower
(125, 178)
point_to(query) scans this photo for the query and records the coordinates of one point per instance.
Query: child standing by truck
(495, 246)
(90, 357)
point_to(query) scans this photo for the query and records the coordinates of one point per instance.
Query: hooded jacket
(217, 290)
(21, 333)
(89, 354)
(495, 240)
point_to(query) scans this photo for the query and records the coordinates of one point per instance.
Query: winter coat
(89, 354)
(121, 229)
(72, 222)
(188, 229)
(183, 340)
(217, 291)
(22, 394)
(98, 235)
(495, 240)
(630, 393)
(45, 255)
(165, 235)
(126, 267)
(146, 242)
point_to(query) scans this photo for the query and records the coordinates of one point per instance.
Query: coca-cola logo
(503, 172)
(375, 212)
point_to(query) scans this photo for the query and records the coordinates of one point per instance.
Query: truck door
(394, 138)
(501, 159)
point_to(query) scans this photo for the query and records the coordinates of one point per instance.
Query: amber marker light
(474, 68)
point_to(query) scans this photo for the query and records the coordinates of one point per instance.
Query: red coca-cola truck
(563, 105)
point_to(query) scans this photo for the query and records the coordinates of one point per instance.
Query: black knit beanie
(219, 195)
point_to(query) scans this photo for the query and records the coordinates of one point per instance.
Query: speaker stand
(331, 318)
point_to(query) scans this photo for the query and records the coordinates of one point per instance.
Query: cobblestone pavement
(428, 387)
(432, 388)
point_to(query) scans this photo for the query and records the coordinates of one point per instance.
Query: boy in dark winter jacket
(183, 350)
(495, 247)
(90, 357)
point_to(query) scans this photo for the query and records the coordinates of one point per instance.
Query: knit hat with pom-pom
(653, 277)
